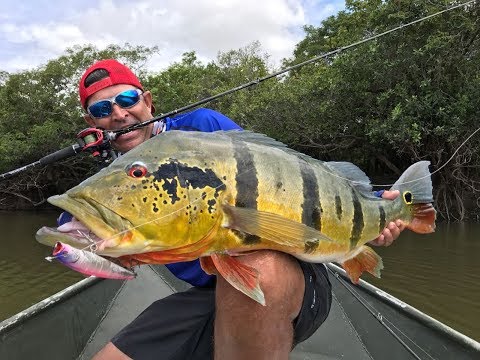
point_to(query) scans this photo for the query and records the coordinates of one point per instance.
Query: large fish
(186, 195)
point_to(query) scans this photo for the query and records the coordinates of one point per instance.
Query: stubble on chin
(124, 146)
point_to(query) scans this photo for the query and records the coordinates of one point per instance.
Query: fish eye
(408, 197)
(137, 170)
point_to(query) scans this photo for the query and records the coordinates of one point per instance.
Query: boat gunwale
(46, 303)
(336, 271)
(402, 306)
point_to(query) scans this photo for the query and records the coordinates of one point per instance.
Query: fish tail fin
(423, 221)
(242, 277)
(365, 260)
(415, 186)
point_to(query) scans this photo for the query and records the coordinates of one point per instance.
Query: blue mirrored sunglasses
(126, 99)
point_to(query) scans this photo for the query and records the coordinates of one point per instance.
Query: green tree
(190, 81)
(410, 95)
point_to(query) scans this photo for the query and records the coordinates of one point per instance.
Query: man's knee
(111, 352)
(281, 280)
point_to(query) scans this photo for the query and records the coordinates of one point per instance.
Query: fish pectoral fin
(242, 277)
(272, 227)
(208, 266)
(366, 260)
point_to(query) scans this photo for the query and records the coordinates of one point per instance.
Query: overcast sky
(35, 31)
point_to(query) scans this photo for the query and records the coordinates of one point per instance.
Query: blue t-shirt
(205, 120)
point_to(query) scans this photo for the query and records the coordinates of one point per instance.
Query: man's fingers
(400, 224)
(387, 233)
(390, 194)
(394, 231)
(380, 241)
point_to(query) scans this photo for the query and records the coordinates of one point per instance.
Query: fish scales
(335, 198)
(278, 185)
(276, 189)
(246, 184)
(186, 195)
(202, 194)
(343, 205)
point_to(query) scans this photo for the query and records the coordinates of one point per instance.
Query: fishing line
(322, 168)
(112, 134)
(381, 318)
(115, 133)
(426, 176)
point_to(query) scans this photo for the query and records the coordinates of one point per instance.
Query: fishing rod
(51, 158)
(93, 140)
(115, 133)
(97, 141)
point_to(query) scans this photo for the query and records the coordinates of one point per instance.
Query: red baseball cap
(118, 74)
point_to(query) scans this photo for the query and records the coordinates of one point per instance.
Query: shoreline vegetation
(411, 95)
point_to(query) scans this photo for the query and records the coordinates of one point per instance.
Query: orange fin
(157, 257)
(423, 219)
(207, 265)
(365, 260)
(242, 277)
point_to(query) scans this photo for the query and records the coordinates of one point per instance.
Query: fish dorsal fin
(273, 227)
(253, 137)
(264, 140)
(354, 174)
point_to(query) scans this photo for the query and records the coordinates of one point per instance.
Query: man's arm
(393, 229)
(203, 119)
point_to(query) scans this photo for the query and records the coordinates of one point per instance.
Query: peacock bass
(186, 195)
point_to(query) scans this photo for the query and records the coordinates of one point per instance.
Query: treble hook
(93, 247)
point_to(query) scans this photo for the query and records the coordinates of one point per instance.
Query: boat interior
(364, 323)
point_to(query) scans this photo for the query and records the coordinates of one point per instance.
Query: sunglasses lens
(125, 99)
(100, 109)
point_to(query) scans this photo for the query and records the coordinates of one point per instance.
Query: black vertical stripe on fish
(357, 223)
(246, 182)
(338, 206)
(311, 207)
(245, 177)
(383, 219)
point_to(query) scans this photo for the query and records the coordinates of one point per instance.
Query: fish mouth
(50, 236)
(97, 226)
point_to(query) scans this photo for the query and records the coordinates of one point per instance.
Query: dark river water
(438, 274)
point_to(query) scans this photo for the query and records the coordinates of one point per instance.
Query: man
(182, 325)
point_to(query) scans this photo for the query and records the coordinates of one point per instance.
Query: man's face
(121, 118)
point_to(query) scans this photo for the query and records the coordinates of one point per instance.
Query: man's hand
(393, 230)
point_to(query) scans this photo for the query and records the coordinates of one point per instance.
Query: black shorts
(180, 326)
